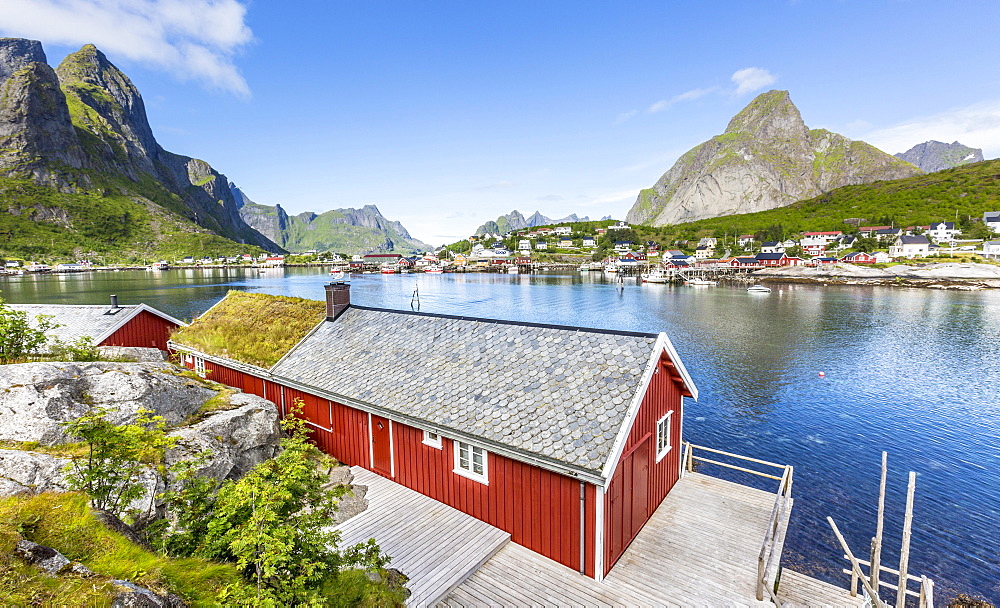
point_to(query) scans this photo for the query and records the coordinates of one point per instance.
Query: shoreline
(950, 276)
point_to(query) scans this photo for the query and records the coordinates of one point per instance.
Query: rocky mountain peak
(770, 115)
(88, 76)
(17, 53)
(766, 158)
(934, 156)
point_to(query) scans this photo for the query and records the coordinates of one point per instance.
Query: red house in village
(859, 257)
(568, 438)
(113, 325)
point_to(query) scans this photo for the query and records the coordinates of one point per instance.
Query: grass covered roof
(254, 328)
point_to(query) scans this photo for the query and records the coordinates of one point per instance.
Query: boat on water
(513, 270)
(758, 289)
(656, 275)
(434, 269)
(612, 267)
(388, 270)
(585, 267)
(703, 283)
(161, 265)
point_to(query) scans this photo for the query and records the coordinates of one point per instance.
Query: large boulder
(24, 472)
(237, 439)
(41, 396)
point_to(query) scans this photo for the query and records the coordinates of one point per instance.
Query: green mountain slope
(966, 192)
(81, 131)
(347, 230)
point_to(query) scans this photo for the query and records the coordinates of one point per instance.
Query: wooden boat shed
(113, 325)
(568, 438)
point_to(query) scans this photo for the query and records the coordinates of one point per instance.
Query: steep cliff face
(766, 158)
(349, 230)
(934, 156)
(37, 139)
(84, 126)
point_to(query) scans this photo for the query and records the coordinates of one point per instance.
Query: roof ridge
(597, 330)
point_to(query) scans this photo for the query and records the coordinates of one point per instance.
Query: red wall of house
(237, 379)
(540, 509)
(144, 330)
(662, 395)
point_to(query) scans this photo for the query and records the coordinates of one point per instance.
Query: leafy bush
(18, 339)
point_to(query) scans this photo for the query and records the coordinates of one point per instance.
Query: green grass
(254, 328)
(42, 224)
(66, 523)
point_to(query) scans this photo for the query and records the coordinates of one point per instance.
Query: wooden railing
(925, 595)
(769, 558)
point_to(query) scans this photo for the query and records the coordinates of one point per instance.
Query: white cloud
(691, 95)
(192, 39)
(624, 116)
(749, 80)
(977, 125)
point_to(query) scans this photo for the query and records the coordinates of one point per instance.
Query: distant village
(527, 249)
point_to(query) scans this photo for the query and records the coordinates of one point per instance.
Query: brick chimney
(338, 299)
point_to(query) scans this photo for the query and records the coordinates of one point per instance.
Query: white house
(541, 245)
(623, 246)
(943, 232)
(703, 252)
(563, 230)
(991, 249)
(910, 246)
(992, 220)
(524, 245)
(746, 239)
(772, 247)
(589, 241)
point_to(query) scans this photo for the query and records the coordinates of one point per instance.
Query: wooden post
(855, 565)
(926, 592)
(904, 552)
(876, 561)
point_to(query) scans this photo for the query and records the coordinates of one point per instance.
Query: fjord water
(913, 372)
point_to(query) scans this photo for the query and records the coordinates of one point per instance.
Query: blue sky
(448, 114)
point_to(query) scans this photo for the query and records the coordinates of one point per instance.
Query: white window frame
(199, 366)
(432, 439)
(469, 472)
(663, 436)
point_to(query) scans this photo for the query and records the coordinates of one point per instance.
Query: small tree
(111, 470)
(18, 339)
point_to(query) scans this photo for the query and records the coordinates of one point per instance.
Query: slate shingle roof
(559, 392)
(76, 321)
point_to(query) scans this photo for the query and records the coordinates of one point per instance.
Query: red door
(381, 447)
(628, 495)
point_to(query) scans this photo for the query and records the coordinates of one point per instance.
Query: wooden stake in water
(904, 552)
(877, 541)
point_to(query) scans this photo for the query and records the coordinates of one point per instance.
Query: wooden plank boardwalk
(800, 590)
(699, 549)
(435, 545)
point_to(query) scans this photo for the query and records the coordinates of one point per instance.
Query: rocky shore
(966, 277)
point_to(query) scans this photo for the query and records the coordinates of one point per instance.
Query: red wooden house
(745, 262)
(566, 437)
(859, 257)
(114, 325)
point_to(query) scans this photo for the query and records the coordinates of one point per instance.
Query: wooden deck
(435, 545)
(801, 590)
(700, 548)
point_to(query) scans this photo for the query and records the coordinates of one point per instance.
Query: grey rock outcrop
(131, 595)
(238, 439)
(49, 559)
(18, 53)
(37, 139)
(24, 472)
(41, 396)
(934, 156)
(767, 158)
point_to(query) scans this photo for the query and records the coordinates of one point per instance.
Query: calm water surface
(913, 372)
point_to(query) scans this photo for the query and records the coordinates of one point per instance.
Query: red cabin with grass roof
(565, 446)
